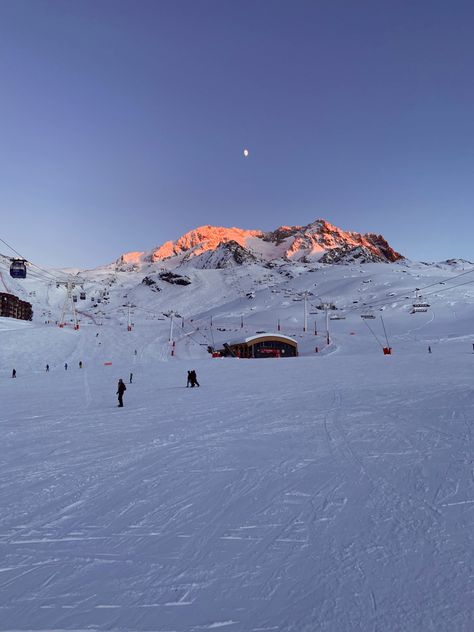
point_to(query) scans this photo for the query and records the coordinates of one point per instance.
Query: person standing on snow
(47, 368)
(65, 366)
(131, 378)
(193, 378)
(121, 388)
(14, 373)
(80, 364)
(189, 382)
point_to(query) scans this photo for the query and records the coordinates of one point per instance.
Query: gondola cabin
(18, 269)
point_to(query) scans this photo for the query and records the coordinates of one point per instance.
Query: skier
(65, 366)
(80, 364)
(121, 388)
(193, 377)
(14, 373)
(47, 368)
(131, 378)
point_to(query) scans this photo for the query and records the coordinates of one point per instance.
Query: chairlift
(367, 316)
(82, 296)
(419, 305)
(74, 298)
(18, 268)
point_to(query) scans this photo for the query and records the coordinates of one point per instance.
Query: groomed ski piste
(329, 492)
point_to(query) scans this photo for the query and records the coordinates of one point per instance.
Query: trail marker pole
(326, 308)
(129, 326)
(305, 321)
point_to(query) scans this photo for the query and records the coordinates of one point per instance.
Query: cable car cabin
(74, 298)
(18, 269)
(82, 296)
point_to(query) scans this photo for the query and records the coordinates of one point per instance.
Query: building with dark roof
(263, 345)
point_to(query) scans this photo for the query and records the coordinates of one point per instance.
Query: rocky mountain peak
(318, 241)
(202, 239)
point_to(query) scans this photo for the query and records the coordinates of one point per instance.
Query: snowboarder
(121, 388)
(193, 378)
(80, 364)
(131, 378)
(14, 373)
(47, 368)
(65, 366)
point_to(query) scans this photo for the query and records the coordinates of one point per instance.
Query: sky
(123, 123)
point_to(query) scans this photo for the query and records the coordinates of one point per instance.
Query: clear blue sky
(122, 123)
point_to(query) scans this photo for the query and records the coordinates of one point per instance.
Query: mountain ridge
(318, 241)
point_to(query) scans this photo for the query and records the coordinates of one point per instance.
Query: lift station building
(263, 345)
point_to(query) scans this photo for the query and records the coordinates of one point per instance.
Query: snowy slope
(321, 493)
(332, 492)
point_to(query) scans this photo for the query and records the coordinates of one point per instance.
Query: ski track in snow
(294, 495)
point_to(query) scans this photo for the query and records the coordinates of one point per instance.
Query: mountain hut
(265, 345)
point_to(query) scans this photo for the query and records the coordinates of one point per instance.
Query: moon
(246, 152)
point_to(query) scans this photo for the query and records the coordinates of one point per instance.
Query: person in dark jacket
(189, 382)
(14, 373)
(47, 368)
(193, 378)
(121, 388)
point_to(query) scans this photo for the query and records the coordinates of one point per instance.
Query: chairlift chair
(419, 304)
(82, 296)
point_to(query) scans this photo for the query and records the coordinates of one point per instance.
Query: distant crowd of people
(192, 380)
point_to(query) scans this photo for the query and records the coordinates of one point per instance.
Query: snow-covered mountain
(250, 281)
(281, 494)
(318, 241)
